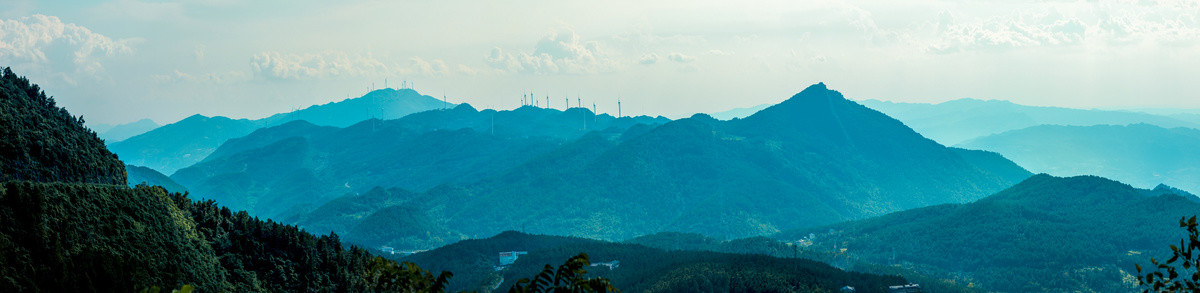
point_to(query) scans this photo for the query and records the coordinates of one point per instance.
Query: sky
(118, 61)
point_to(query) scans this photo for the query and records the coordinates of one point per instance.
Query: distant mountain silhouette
(383, 104)
(814, 159)
(953, 122)
(142, 175)
(1139, 154)
(1087, 232)
(181, 144)
(123, 131)
(738, 112)
(298, 166)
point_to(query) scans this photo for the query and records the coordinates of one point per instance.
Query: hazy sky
(122, 60)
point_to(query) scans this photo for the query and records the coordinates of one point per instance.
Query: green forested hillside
(640, 268)
(343, 213)
(1139, 154)
(41, 142)
(68, 223)
(1044, 234)
(84, 237)
(814, 159)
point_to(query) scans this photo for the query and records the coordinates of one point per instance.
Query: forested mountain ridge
(71, 225)
(181, 144)
(1086, 231)
(1139, 154)
(41, 142)
(812, 160)
(306, 165)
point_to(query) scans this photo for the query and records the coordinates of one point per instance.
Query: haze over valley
(667, 146)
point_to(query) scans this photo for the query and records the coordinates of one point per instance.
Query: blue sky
(122, 60)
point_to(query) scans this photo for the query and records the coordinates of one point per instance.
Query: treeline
(43, 142)
(1086, 231)
(642, 269)
(81, 237)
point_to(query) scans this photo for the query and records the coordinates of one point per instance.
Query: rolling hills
(1087, 232)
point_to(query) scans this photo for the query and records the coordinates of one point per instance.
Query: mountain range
(119, 132)
(814, 159)
(953, 122)
(306, 165)
(1139, 154)
(188, 141)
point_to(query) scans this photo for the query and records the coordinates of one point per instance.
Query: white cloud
(1105, 24)
(649, 59)
(561, 52)
(680, 57)
(464, 69)
(1007, 32)
(718, 53)
(29, 41)
(281, 66)
(215, 78)
(421, 67)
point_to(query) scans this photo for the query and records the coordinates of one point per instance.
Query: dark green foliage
(401, 227)
(62, 237)
(344, 213)
(142, 175)
(388, 276)
(40, 141)
(80, 236)
(1179, 273)
(567, 278)
(1085, 231)
(1139, 154)
(641, 268)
